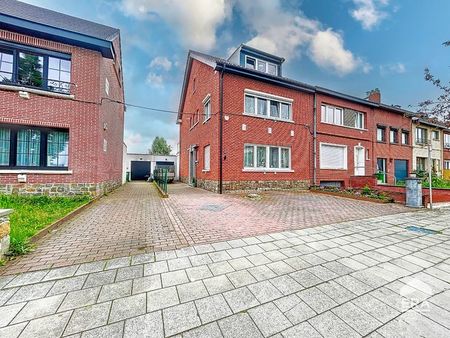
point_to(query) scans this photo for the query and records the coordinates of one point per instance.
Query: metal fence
(160, 176)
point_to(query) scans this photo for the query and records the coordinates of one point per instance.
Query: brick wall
(83, 116)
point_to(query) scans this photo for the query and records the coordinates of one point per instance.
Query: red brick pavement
(134, 219)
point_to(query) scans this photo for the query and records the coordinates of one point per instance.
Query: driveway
(134, 219)
(386, 276)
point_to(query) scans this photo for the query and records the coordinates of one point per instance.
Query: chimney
(374, 95)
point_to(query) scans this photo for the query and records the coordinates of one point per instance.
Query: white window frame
(268, 97)
(207, 159)
(266, 66)
(322, 166)
(447, 141)
(392, 132)
(340, 123)
(106, 86)
(405, 136)
(424, 131)
(446, 164)
(383, 139)
(435, 132)
(206, 104)
(267, 168)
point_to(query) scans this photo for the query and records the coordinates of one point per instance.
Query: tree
(438, 108)
(160, 146)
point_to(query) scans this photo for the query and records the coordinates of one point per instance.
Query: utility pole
(430, 162)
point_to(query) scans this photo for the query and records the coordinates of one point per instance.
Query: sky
(351, 46)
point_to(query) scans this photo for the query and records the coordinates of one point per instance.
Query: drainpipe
(221, 130)
(315, 140)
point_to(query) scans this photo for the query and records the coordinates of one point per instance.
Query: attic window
(250, 62)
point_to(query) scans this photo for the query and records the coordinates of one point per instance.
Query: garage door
(140, 170)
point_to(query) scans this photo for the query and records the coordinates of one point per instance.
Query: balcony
(421, 141)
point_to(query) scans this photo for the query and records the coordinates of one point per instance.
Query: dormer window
(260, 65)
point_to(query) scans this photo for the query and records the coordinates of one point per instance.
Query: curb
(43, 232)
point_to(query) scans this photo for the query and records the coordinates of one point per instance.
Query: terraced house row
(245, 126)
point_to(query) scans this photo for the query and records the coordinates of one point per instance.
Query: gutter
(221, 130)
(315, 140)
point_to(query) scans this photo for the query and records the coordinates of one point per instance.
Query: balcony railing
(421, 140)
(41, 83)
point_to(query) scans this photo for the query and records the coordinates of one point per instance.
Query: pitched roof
(58, 20)
(222, 64)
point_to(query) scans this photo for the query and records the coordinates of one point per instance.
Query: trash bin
(413, 192)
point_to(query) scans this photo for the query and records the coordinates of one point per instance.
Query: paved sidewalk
(370, 277)
(134, 219)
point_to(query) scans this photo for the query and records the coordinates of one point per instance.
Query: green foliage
(160, 146)
(366, 190)
(436, 182)
(33, 213)
(30, 70)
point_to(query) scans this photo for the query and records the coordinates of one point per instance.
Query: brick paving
(363, 278)
(134, 219)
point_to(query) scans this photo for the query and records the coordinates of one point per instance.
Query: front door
(192, 166)
(360, 164)
(401, 170)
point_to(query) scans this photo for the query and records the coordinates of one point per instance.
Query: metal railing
(41, 83)
(160, 176)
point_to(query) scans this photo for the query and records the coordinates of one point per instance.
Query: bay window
(34, 67)
(267, 157)
(26, 147)
(267, 106)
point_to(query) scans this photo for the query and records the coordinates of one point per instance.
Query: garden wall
(399, 194)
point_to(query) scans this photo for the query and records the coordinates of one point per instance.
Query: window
(342, 117)
(27, 66)
(260, 65)
(381, 134)
(32, 147)
(57, 149)
(393, 135)
(267, 107)
(278, 157)
(421, 163)
(106, 86)
(333, 156)
(250, 62)
(435, 135)
(447, 141)
(207, 158)
(6, 66)
(31, 70)
(421, 135)
(249, 156)
(5, 144)
(446, 165)
(207, 108)
(59, 75)
(405, 137)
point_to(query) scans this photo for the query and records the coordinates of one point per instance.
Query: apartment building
(61, 92)
(243, 126)
(428, 141)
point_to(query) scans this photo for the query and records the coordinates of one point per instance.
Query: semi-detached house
(61, 93)
(245, 126)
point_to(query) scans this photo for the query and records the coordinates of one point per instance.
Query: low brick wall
(399, 194)
(213, 185)
(59, 189)
(4, 231)
(358, 182)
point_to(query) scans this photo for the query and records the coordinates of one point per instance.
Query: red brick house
(446, 153)
(61, 92)
(245, 126)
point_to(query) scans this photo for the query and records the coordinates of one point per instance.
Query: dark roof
(51, 18)
(222, 64)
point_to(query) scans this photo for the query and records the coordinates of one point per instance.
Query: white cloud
(294, 33)
(327, 51)
(369, 12)
(161, 62)
(195, 21)
(155, 80)
(397, 68)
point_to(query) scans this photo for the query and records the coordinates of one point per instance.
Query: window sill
(204, 121)
(206, 170)
(36, 91)
(347, 127)
(267, 118)
(193, 126)
(31, 171)
(340, 169)
(264, 170)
